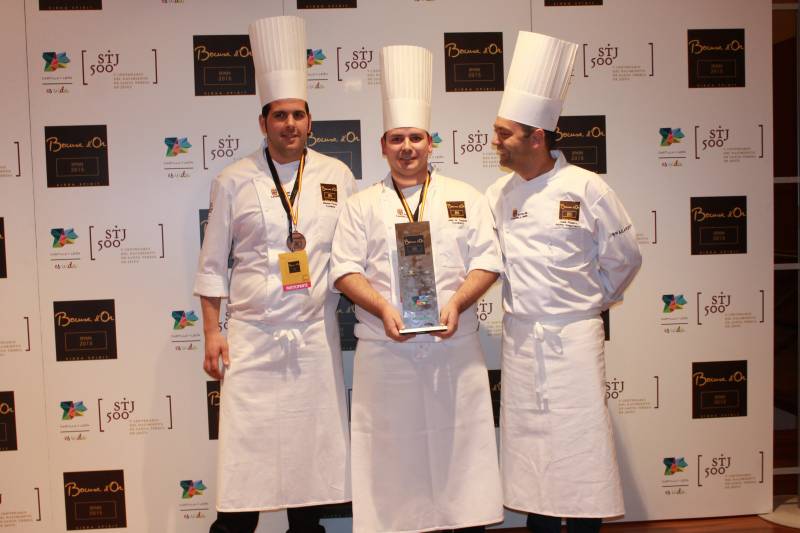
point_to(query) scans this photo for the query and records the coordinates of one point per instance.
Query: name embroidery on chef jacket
(330, 195)
(569, 214)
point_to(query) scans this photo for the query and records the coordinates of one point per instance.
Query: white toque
(406, 73)
(538, 80)
(279, 52)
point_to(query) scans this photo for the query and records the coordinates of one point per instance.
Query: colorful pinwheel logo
(674, 465)
(183, 319)
(63, 237)
(177, 146)
(72, 409)
(673, 302)
(435, 139)
(54, 61)
(315, 57)
(670, 136)
(192, 488)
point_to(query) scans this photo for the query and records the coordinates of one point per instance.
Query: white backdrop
(106, 418)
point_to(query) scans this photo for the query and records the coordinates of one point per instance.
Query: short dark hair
(549, 136)
(265, 109)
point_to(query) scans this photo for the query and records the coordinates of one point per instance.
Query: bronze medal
(296, 241)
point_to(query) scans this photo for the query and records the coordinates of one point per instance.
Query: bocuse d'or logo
(76, 156)
(719, 225)
(223, 65)
(327, 4)
(716, 58)
(212, 405)
(85, 330)
(3, 260)
(582, 139)
(8, 422)
(70, 5)
(95, 499)
(719, 389)
(473, 61)
(561, 3)
(340, 139)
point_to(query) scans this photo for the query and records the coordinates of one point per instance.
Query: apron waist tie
(290, 339)
(553, 340)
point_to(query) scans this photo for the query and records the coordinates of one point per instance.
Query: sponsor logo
(76, 156)
(327, 4)
(85, 330)
(212, 405)
(569, 210)
(72, 409)
(471, 145)
(223, 65)
(716, 58)
(8, 422)
(670, 136)
(329, 193)
(582, 139)
(515, 214)
(124, 70)
(192, 488)
(673, 302)
(315, 57)
(95, 499)
(622, 64)
(63, 237)
(456, 209)
(70, 5)
(718, 225)
(674, 465)
(719, 389)
(183, 319)
(743, 310)
(177, 146)
(54, 61)
(473, 61)
(727, 144)
(340, 139)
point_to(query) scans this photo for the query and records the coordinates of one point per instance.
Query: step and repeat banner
(117, 115)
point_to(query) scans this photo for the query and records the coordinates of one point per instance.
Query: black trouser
(301, 520)
(539, 523)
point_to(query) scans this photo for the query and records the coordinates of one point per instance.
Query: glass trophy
(417, 279)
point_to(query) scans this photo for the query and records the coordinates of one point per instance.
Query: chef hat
(538, 80)
(279, 55)
(406, 73)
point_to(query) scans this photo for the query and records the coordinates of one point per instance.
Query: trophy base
(422, 329)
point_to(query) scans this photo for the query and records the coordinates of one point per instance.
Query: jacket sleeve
(212, 271)
(349, 247)
(617, 250)
(484, 249)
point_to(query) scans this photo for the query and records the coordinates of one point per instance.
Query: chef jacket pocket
(450, 247)
(570, 247)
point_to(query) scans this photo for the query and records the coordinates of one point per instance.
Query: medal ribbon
(417, 214)
(292, 210)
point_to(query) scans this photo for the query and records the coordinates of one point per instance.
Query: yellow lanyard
(416, 215)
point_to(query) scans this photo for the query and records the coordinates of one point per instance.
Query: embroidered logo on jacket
(569, 210)
(329, 193)
(456, 209)
(515, 214)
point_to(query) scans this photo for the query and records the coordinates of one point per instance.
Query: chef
(283, 437)
(569, 252)
(423, 439)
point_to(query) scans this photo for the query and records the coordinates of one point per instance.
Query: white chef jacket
(569, 251)
(246, 210)
(283, 436)
(366, 243)
(424, 454)
(555, 265)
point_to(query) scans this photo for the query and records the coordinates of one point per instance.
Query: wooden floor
(739, 524)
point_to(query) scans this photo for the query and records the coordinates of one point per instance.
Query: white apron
(423, 439)
(283, 421)
(557, 448)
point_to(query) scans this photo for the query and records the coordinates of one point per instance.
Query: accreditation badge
(294, 270)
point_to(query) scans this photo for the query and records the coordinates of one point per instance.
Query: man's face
(511, 143)
(407, 151)
(286, 128)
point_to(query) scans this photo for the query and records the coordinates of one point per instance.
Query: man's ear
(262, 124)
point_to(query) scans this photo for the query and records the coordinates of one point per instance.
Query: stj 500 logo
(95, 499)
(85, 330)
(8, 422)
(76, 156)
(473, 61)
(223, 65)
(716, 58)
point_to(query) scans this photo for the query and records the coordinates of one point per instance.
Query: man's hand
(448, 316)
(393, 323)
(216, 348)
